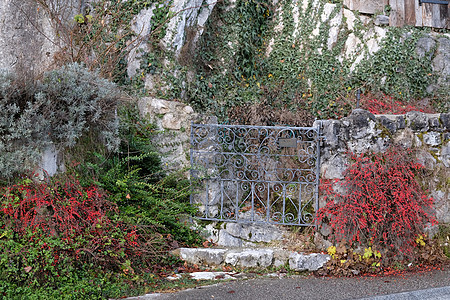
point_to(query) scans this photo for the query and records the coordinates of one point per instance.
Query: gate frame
(318, 143)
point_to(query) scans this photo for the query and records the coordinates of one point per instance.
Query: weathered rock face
(192, 19)
(243, 235)
(311, 262)
(183, 32)
(28, 38)
(427, 134)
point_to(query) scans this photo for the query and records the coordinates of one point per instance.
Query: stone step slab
(253, 258)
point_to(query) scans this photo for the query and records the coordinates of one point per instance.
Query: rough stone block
(203, 256)
(381, 20)
(417, 121)
(334, 167)
(389, 124)
(432, 138)
(426, 159)
(445, 119)
(227, 240)
(424, 46)
(311, 262)
(210, 275)
(434, 123)
(280, 257)
(250, 258)
(445, 155)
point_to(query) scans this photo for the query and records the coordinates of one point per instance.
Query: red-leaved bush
(380, 205)
(72, 222)
(383, 104)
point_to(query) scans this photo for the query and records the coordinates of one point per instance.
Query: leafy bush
(74, 101)
(396, 69)
(22, 127)
(51, 230)
(59, 109)
(382, 204)
(136, 182)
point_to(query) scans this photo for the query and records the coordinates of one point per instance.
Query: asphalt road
(426, 285)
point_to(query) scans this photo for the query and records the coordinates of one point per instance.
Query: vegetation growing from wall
(101, 36)
(58, 110)
(396, 69)
(256, 53)
(380, 205)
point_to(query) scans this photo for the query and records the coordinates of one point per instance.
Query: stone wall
(173, 119)
(427, 134)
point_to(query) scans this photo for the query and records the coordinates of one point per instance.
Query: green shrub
(74, 101)
(59, 109)
(136, 182)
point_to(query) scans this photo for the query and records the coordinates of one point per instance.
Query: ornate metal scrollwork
(255, 174)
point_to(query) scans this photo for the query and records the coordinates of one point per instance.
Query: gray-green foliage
(21, 127)
(59, 109)
(79, 100)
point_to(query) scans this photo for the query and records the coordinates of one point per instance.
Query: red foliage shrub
(382, 204)
(82, 219)
(387, 105)
(58, 208)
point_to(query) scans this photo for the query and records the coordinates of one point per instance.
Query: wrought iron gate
(255, 174)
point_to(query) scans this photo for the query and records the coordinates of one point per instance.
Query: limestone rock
(426, 159)
(331, 131)
(334, 167)
(441, 62)
(170, 121)
(280, 258)
(417, 120)
(174, 117)
(202, 256)
(434, 123)
(27, 35)
(210, 275)
(250, 258)
(445, 155)
(360, 118)
(424, 46)
(311, 262)
(350, 19)
(389, 124)
(445, 119)
(254, 232)
(141, 25)
(227, 240)
(366, 6)
(192, 18)
(381, 20)
(50, 164)
(442, 206)
(432, 138)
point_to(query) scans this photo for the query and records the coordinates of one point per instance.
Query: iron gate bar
(236, 169)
